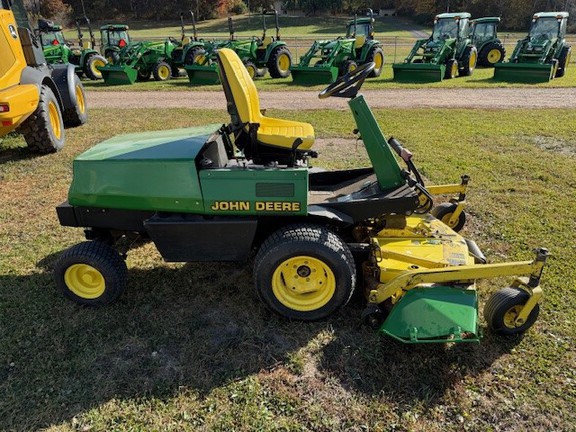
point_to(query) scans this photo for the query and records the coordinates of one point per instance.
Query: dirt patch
(555, 145)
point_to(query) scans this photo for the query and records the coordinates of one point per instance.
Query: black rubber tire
(273, 64)
(563, 61)
(112, 56)
(101, 257)
(158, 67)
(347, 66)
(89, 69)
(484, 58)
(77, 115)
(143, 76)
(470, 56)
(372, 55)
(37, 129)
(192, 54)
(307, 241)
(451, 70)
(446, 209)
(252, 69)
(500, 303)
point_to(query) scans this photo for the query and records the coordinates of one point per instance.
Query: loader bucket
(203, 75)
(418, 72)
(434, 314)
(311, 75)
(523, 72)
(118, 75)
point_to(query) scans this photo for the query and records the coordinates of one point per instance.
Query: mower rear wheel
(304, 272)
(444, 212)
(44, 129)
(279, 62)
(502, 309)
(376, 55)
(91, 67)
(451, 69)
(162, 71)
(563, 61)
(91, 273)
(491, 54)
(78, 114)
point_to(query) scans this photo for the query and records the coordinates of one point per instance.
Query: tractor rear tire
(469, 60)
(91, 273)
(503, 307)
(376, 55)
(192, 54)
(279, 62)
(304, 272)
(162, 71)
(44, 129)
(563, 61)
(78, 114)
(444, 211)
(451, 69)
(90, 68)
(491, 54)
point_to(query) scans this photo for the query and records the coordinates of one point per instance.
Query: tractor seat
(259, 137)
(360, 41)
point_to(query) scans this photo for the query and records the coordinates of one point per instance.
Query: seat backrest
(186, 40)
(240, 91)
(267, 41)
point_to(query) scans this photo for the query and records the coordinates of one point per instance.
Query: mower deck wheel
(304, 272)
(91, 273)
(444, 213)
(502, 309)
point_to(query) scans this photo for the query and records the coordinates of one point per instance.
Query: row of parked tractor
(457, 45)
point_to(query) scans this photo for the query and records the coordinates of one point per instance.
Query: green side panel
(312, 75)
(385, 165)
(523, 72)
(203, 75)
(255, 191)
(143, 171)
(418, 72)
(118, 75)
(434, 314)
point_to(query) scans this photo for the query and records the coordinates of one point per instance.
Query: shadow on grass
(14, 154)
(192, 328)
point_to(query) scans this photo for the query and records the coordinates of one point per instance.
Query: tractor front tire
(304, 272)
(143, 75)
(44, 129)
(91, 67)
(491, 54)
(162, 71)
(444, 212)
(469, 60)
(347, 67)
(192, 55)
(376, 55)
(78, 114)
(91, 273)
(252, 69)
(502, 309)
(563, 61)
(279, 62)
(451, 69)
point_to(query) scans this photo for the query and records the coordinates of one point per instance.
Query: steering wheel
(349, 84)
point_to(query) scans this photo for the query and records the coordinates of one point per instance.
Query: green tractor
(113, 38)
(484, 35)
(56, 50)
(259, 55)
(326, 60)
(241, 190)
(189, 48)
(448, 53)
(542, 55)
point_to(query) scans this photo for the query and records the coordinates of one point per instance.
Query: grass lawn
(189, 347)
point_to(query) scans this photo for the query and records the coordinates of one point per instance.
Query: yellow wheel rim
(378, 60)
(303, 283)
(54, 116)
(494, 56)
(163, 72)
(454, 72)
(352, 67)
(283, 62)
(446, 220)
(85, 281)
(511, 315)
(472, 60)
(95, 65)
(200, 59)
(251, 71)
(80, 99)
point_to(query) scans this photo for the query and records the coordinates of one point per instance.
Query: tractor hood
(141, 171)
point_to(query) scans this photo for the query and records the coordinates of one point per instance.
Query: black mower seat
(244, 109)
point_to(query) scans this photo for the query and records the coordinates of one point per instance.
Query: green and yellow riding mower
(326, 60)
(542, 55)
(259, 55)
(244, 189)
(484, 36)
(448, 53)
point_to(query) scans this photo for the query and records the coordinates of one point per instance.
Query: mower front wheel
(444, 213)
(91, 273)
(502, 309)
(162, 71)
(304, 272)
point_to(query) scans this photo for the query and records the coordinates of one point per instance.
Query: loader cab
(451, 26)
(548, 26)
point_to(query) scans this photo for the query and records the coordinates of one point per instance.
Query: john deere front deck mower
(259, 55)
(326, 60)
(84, 57)
(448, 53)
(542, 55)
(227, 193)
(113, 38)
(484, 36)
